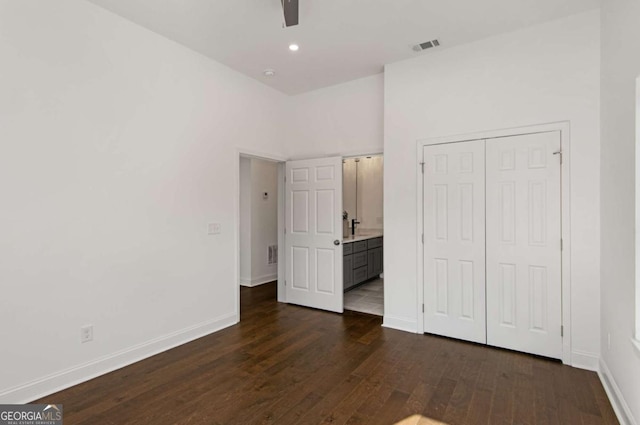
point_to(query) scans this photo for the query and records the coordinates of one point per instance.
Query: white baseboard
(399, 323)
(620, 406)
(75, 375)
(261, 280)
(585, 360)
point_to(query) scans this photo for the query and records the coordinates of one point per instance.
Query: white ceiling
(340, 40)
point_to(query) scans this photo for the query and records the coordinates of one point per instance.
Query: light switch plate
(214, 228)
(86, 333)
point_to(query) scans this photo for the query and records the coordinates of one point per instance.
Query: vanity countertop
(367, 235)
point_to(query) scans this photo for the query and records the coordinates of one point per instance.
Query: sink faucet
(353, 226)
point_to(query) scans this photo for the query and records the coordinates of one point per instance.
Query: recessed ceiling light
(293, 47)
(269, 72)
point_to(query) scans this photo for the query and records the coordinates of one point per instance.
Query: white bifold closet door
(524, 286)
(454, 243)
(492, 242)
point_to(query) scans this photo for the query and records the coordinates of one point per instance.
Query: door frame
(564, 128)
(246, 153)
(281, 161)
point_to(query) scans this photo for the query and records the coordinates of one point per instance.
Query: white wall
(349, 194)
(245, 221)
(258, 220)
(345, 119)
(362, 181)
(541, 74)
(620, 68)
(118, 148)
(264, 220)
(370, 192)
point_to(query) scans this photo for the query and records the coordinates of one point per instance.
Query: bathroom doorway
(363, 231)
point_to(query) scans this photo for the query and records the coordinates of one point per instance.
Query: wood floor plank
(324, 407)
(524, 403)
(606, 410)
(566, 399)
(502, 401)
(479, 407)
(284, 364)
(544, 395)
(440, 399)
(586, 400)
(459, 404)
(389, 412)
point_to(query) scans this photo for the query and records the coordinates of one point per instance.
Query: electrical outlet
(86, 333)
(214, 228)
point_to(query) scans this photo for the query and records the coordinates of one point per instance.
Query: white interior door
(313, 238)
(524, 291)
(454, 245)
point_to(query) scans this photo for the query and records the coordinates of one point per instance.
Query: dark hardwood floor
(291, 365)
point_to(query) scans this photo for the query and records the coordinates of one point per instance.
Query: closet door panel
(524, 287)
(454, 243)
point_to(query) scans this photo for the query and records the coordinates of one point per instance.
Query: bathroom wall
(362, 191)
(370, 191)
(349, 188)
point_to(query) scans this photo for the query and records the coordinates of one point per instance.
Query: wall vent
(273, 254)
(426, 45)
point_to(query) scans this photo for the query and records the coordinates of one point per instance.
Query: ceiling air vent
(426, 45)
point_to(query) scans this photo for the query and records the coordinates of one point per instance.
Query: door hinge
(422, 167)
(561, 330)
(423, 239)
(285, 282)
(285, 230)
(559, 153)
(423, 308)
(561, 244)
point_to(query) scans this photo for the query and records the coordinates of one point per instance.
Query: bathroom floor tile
(367, 298)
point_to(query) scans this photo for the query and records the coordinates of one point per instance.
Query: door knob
(336, 242)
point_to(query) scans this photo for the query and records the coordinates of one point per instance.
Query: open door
(313, 233)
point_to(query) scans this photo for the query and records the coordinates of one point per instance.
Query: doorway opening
(363, 234)
(312, 268)
(258, 228)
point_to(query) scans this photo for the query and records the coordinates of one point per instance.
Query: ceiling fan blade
(290, 8)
